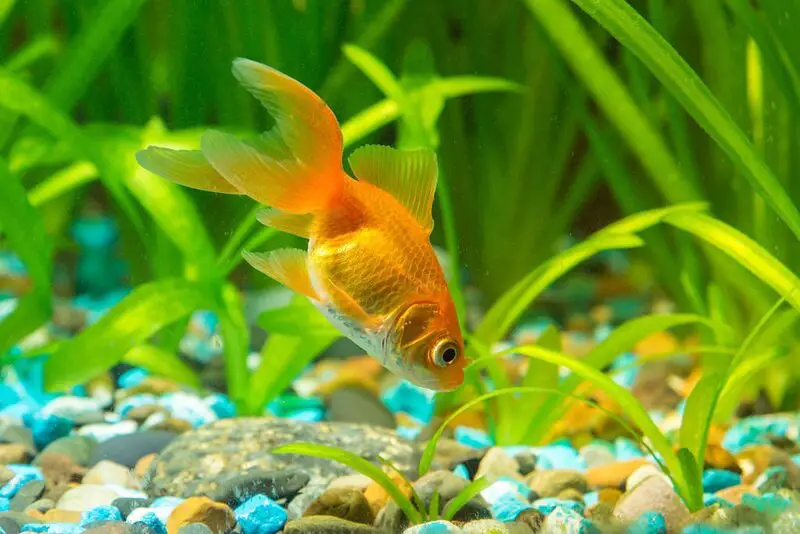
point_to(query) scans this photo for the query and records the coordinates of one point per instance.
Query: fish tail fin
(295, 167)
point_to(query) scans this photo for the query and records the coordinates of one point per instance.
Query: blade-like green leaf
(375, 70)
(25, 234)
(161, 362)
(636, 34)
(236, 344)
(300, 318)
(359, 464)
(738, 379)
(622, 339)
(744, 250)
(692, 473)
(146, 310)
(471, 490)
(62, 182)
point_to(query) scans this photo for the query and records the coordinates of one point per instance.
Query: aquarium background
(612, 174)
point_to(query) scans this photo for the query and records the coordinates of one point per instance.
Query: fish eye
(445, 354)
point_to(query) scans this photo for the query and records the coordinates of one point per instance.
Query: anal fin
(292, 223)
(288, 266)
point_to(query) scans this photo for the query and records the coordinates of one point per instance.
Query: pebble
(101, 513)
(643, 473)
(734, 494)
(559, 455)
(216, 516)
(128, 449)
(71, 407)
(531, 518)
(221, 405)
(497, 463)
(188, 407)
(356, 404)
(549, 504)
(653, 494)
(108, 472)
(59, 468)
(433, 527)
(649, 523)
(565, 521)
(596, 455)
(357, 481)
(261, 515)
(772, 479)
(9, 526)
(508, 507)
(612, 475)
(138, 402)
(526, 462)
(715, 480)
(15, 484)
(346, 503)
(79, 448)
(13, 433)
(276, 485)
(47, 428)
(149, 520)
(408, 398)
(27, 495)
(126, 505)
(15, 453)
(86, 496)
(6, 474)
(195, 528)
(105, 431)
(327, 525)
(550, 483)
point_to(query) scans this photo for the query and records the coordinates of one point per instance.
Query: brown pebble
(15, 453)
(59, 468)
(62, 516)
(173, 424)
(571, 494)
(612, 475)
(346, 503)
(719, 458)
(377, 496)
(6, 474)
(216, 516)
(141, 467)
(141, 413)
(734, 494)
(532, 518)
(609, 496)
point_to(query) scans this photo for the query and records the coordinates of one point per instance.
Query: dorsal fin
(292, 223)
(408, 175)
(288, 266)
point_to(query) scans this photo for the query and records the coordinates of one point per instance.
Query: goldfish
(369, 266)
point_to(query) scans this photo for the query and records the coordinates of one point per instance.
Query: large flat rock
(206, 460)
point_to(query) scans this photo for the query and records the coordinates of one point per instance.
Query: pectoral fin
(288, 266)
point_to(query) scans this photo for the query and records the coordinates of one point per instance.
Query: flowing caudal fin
(295, 167)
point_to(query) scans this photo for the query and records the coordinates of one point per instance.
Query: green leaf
(744, 250)
(693, 435)
(621, 339)
(62, 182)
(25, 234)
(146, 310)
(235, 344)
(359, 465)
(692, 473)
(637, 35)
(740, 377)
(161, 362)
(473, 489)
(377, 72)
(300, 318)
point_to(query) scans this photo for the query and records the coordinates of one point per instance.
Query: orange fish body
(369, 267)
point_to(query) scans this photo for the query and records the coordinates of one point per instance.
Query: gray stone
(126, 505)
(526, 462)
(200, 461)
(8, 526)
(347, 503)
(42, 505)
(353, 404)
(13, 433)
(27, 495)
(116, 527)
(6, 474)
(195, 528)
(274, 484)
(79, 448)
(19, 518)
(127, 449)
(322, 524)
(448, 486)
(551, 482)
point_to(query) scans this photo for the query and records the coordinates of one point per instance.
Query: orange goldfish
(369, 266)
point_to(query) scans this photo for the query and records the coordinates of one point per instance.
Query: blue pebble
(188, 407)
(559, 455)
(47, 428)
(15, 484)
(434, 527)
(222, 405)
(772, 479)
(408, 398)
(590, 498)
(568, 522)
(132, 377)
(627, 449)
(410, 433)
(151, 520)
(472, 437)
(508, 507)
(719, 479)
(754, 431)
(462, 471)
(5, 504)
(550, 504)
(306, 415)
(796, 459)
(505, 486)
(771, 504)
(710, 499)
(166, 502)
(35, 527)
(260, 515)
(700, 528)
(101, 513)
(8, 396)
(649, 523)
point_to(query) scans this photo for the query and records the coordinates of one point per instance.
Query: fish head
(424, 342)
